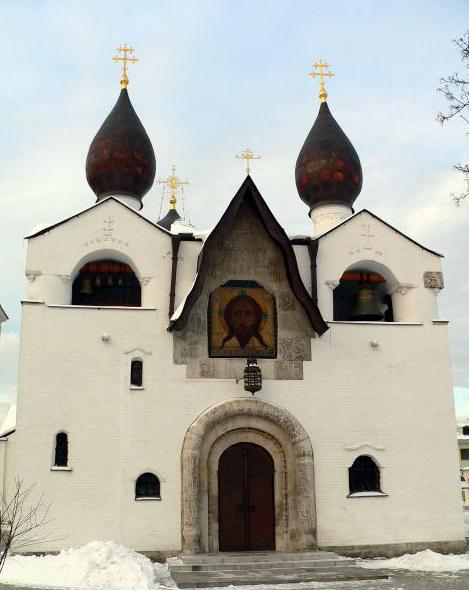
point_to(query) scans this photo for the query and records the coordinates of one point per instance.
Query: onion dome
(121, 160)
(328, 169)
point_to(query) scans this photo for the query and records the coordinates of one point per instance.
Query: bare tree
(21, 517)
(455, 88)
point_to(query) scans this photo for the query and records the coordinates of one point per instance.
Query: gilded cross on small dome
(247, 155)
(127, 56)
(173, 182)
(318, 72)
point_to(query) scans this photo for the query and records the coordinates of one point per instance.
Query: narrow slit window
(61, 450)
(136, 373)
(147, 486)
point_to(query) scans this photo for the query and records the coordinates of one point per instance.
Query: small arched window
(364, 475)
(136, 373)
(105, 283)
(147, 486)
(61, 450)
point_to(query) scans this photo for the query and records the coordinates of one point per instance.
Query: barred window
(147, 486)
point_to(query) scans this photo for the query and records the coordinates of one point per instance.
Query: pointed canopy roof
(249, 192)
(121, 160)
(167, 221)
(328, 169)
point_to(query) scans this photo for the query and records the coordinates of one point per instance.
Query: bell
(109, 281)
(365, 308)
(97, 281)
(86, 287)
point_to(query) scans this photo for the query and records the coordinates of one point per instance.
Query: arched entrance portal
(246, 499)
(278, 433)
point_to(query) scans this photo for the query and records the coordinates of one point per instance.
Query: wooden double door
(246, 499)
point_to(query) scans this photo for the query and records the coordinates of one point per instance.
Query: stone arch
(247, 419)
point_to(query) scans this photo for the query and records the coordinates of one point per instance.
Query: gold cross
(173, 182)
(320, 65)
(247, 155)
(124, 59)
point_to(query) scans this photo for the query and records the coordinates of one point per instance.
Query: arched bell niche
(365, 294)
(106, 282)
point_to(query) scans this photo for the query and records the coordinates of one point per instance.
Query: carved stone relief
(248, 420)
(433, 280)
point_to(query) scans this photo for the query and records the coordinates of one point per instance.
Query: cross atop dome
(321, 74)
(124, 58)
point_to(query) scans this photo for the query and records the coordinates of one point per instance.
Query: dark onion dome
(167, 221)
(121, 160)
(328, 169)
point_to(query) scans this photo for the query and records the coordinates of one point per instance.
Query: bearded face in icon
(243, 316)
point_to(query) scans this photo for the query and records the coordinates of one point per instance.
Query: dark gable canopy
(248, 193)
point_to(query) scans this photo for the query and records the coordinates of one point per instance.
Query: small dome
(121, 160)
(167, 221)
(328, 169)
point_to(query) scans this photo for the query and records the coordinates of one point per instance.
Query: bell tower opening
(362, 296)
(105, 283)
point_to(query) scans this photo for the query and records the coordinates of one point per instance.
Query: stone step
(223, 578)
(252, 565)
(257, 556)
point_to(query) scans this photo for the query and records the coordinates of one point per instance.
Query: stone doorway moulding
(275, 429)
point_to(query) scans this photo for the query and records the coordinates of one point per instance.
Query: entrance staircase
(267, 567)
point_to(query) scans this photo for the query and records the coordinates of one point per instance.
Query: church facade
(237, 390)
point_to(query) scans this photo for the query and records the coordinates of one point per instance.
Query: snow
(96, 566)
(423, 561)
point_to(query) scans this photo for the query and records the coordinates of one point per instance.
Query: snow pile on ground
(424, 561)
(95, 566)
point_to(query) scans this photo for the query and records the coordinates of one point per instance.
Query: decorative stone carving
(332, 284)
(65, 278)
(294, 349)
(402, 288)
(286, 302)
(32, 275)
(145, 280)
(280, 427)
(433, 280)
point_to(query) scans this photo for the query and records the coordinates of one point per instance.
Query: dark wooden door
(246, 499)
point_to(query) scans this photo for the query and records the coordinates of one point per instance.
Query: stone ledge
(396, 549)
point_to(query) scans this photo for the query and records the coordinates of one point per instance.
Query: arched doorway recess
(282, 436)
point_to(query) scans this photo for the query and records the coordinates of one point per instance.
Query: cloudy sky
(216, 76)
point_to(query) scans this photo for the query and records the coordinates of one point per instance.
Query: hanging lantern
(365, 308)
(252, 376)
(86, 287)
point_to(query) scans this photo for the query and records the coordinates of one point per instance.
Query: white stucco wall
(392, 401)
